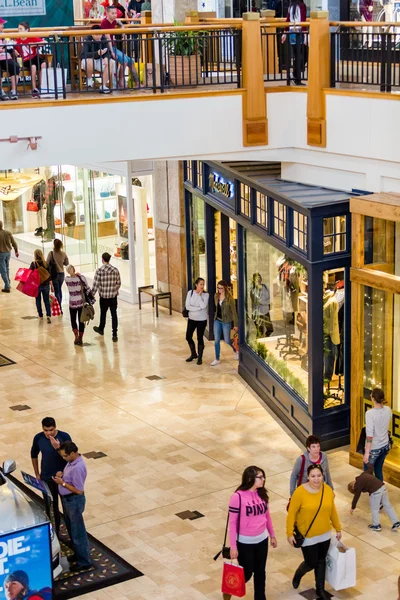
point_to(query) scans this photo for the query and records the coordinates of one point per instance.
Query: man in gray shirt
(377, 422)
(6, 242)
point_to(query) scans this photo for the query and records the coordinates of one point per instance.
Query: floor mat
(108, 568)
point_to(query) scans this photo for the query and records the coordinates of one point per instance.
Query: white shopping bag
(341, 566)
(52, 80)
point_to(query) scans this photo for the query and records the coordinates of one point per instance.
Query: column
(318, 78)
(170, 230)
(167, 11)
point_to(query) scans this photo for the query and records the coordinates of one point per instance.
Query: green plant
(261, 351)
(185, 43)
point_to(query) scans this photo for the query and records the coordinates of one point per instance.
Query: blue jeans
(73, 508)
(124, 59)
(221, 330)
(44, 290)
(57, 284)
(377, 458)
(5, 268)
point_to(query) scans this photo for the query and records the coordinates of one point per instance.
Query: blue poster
(25, 564)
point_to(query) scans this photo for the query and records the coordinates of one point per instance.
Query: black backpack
(52, 267)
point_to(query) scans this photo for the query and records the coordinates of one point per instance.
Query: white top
(253, 539)
(197, 305)
(377, 421)
(317, 539)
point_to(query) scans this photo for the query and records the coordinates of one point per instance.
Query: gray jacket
(297, 468)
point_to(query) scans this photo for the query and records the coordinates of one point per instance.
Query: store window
(233, 256)
(334, 234)
(199, 174)
(245, 200)
(299, 231)
(280, 220)
(333, 350)
(189, 171)
(262, 210)
(379, 243)
(276, 311)
(198, 238)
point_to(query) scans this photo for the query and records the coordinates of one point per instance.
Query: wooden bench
(155, 295)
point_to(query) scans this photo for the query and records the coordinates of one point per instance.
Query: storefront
(285, 250)
(375, 277)
(91, 210)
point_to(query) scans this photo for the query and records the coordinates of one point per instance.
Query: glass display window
(233, 257)
(198, 238)
(276, 312)
(379, 244)
(334, 324)
(245, 192)
(280, 220)
(300, 231)
(199, 174)
(262, 210)
(335, 234)
(189, 171)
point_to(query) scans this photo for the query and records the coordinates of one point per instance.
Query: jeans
(253, 559)
(124, 59)
(44, 290)
(375, 501)
(192, 326)
(5, 268)
(112, 304)
(48, 503)
(75, 316)
(377, 458)
(57, 284)
(73, 507)
(221, 330)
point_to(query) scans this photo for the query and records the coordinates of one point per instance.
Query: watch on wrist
(63, 484)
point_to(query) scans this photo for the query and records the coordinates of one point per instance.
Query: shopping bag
(22, 274)
(233, 580)
(31, 286)
(341, 566)
(55, 306)
(52, 81)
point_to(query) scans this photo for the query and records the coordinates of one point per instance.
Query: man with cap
(16, 586)
(8, 63)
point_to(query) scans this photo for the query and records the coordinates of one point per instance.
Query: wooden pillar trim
(145, 17)
(318, 78)
(255, 126)
(191, 17)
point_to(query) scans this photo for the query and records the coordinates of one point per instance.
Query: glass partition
(276, 311)
(198, 238)
(333, 350)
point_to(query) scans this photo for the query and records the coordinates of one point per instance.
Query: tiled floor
(172, 445)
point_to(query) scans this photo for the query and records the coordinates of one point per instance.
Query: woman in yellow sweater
(317, 535)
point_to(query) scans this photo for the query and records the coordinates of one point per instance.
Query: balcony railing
(285, 53)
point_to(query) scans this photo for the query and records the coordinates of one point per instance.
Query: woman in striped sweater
(75, 284)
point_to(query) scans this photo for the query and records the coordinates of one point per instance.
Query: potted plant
(184, 56)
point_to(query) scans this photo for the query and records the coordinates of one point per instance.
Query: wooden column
(318, 78)
(269, 43)
(145, 17)
(192, 17)
(255, 127)
(146, 52)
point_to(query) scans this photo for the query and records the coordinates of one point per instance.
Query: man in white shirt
(377, 423)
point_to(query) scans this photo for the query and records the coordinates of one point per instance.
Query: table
(155, 295)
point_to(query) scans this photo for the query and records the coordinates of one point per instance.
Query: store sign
(22, 8)
(25, 557)
(218, 185)
(367, 404)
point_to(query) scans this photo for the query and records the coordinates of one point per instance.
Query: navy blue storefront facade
(285, 250)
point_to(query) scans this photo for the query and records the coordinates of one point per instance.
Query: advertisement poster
(25, 564)
(38, 484)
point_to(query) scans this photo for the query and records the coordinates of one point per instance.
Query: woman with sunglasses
(312, 509)
(250, 525)
(225, 314)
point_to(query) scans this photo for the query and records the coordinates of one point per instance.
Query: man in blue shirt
(48, 443)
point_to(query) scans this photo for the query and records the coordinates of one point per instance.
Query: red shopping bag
(55, 306)
(31, 286)
(22, 274)
(233, 580)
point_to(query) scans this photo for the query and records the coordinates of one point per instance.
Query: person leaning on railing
(96, 56)
(8, 63)
(110, 22)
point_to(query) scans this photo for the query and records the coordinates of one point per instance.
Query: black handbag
(361, 442)
(299, 537)
(185, 312)
(52, 267)
(226, 551)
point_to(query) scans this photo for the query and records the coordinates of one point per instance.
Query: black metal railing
(285, 56)
(365, 58)
(156, 61)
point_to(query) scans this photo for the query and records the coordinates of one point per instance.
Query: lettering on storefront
(18, 8)
(218, 185)
(395, 428)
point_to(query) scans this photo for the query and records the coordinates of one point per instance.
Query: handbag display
(233, 581)
(300, 477)
(226, 551)
(31, 206)
(299, 537)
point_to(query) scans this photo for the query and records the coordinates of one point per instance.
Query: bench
(155, 295)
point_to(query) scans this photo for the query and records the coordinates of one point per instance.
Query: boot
(301, 570)
(193, 354)
(226, 596)
(80, 337)
(320, 582)
(76, 336)
(200, 356)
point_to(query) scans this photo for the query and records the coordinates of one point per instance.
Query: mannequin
(331, 332)
(69, 209)
(260, 305)
(49, 199)
(288, 280)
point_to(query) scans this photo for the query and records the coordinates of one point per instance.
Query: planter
(184, 70)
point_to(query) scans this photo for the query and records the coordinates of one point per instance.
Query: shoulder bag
(300, 477)
(87, 294)
(43, 273)
(299, 537)
(226, 551)
(185, 312)
(52, 267)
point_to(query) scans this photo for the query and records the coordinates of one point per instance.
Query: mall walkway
(173, 444)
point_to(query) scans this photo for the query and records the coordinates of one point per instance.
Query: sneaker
(396, 526)
(40, 318)
(98, 330)
(48, 320)
(105, 90)
(376, 527)
(13, 95)
(236, 357)
(215, 363)
(4, 97)
(89, 82)
(35, 93)
(6, 290)
(115, 338)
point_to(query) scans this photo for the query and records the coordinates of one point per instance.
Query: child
(378, 496)
(27, 48)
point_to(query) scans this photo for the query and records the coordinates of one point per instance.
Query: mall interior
(279, 180)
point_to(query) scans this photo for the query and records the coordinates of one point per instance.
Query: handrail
(363, 24)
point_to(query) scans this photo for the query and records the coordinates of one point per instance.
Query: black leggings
(315, 555)
(253, 559)
(74, 313)
(191, 328)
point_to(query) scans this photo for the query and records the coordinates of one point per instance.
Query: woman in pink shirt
(250, 525)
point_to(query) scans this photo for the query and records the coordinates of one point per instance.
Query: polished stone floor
(172, 445)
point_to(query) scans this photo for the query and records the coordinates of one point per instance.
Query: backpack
(43, 273)
(52, 267)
